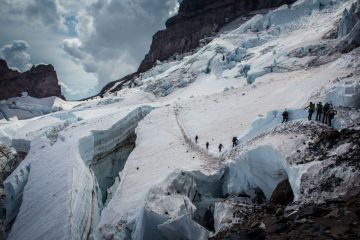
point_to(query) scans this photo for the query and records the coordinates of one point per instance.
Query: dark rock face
(330, 220)
(196, 20)
(283, 194)
(40, 81)
(110, 86)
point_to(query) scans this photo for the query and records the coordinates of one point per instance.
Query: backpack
(319, 108)
(312, 106)
(326, 108)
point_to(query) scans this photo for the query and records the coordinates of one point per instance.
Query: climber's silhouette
(285, 115)
(220, 147)
(326, 109)
(319, 110)
(311, 108)
(235, 141)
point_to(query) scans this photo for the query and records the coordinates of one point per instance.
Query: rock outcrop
(282, 194)
(196, 20)
(40, 81)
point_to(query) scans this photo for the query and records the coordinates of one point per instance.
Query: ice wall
(262, 167)
(178, 207)
(345, 94)
(65, 188)
(106, 152)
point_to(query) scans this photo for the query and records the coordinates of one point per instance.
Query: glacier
(126, 166)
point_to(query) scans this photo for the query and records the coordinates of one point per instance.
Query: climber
(220, 147)
(319, 109)
(331, 114)
(235, 141)
(196, 138)
(326, 108)
(207, 145)
(311, 108)
(285, 115)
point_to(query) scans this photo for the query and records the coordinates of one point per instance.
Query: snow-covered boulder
(183, 228)
(230, 211)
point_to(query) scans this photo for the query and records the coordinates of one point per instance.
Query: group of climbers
(327, 112)
(221, 146)
(324, 113)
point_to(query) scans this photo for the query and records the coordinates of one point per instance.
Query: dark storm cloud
(33, 13)
(45, 11)
(16, 55)
(117, 34)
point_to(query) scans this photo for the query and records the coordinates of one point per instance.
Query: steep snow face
(69, 208)
(258, 47)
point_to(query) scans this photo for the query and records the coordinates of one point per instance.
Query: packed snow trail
(194, 146)
(160, 150)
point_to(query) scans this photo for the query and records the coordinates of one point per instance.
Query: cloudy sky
(90, 42)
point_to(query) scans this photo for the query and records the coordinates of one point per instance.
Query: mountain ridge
(40, 81)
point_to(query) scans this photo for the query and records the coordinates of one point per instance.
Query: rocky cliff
(196, 20)
(40, 81)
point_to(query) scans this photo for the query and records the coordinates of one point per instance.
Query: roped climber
(235, 141)
(319, 110)
(285, 116)
(311, 108)
(220, 147)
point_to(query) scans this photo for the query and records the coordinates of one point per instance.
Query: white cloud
(115, 35)
(76, 92)
(16, 55)
(106, 39)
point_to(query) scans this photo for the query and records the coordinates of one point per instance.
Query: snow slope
(103, 168)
